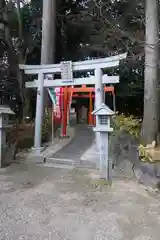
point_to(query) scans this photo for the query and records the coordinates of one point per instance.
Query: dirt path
(55, 204)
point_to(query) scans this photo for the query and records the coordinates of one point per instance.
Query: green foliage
(85, 29)
(121, 124)
(143, 154)
(21, 136)
(25, 143)
(100, 184)
(46, 128)
(118, 26)
(129, 124)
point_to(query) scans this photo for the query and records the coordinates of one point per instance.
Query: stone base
(37, 151)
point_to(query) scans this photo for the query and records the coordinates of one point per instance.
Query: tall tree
(150, 116)
(22, 57)
(48, 31)
(48, 35)
(47, 56)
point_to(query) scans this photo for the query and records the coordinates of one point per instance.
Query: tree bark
(22, 60)
(48, 37)
(150, 115)
(48, 32)
(2, 6)
(48, 42)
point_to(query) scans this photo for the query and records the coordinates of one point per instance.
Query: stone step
(67, 162)
(59, 161)
(54, 165)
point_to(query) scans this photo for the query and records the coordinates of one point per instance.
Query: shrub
(132, 125)
(46, 127)
(127, 123)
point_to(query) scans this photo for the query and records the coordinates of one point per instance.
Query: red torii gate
(68, 93)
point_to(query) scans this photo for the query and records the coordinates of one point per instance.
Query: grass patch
(100, 183)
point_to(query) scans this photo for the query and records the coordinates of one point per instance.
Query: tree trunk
(48, 32)
(48, 42)
(22, 60)
(48, 37)
(150, 115)
(2, 6)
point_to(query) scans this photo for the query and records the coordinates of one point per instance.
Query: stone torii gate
(66, 70)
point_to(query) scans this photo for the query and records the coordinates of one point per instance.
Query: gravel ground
(53, 204)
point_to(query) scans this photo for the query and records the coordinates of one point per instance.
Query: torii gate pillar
(98, 98)
(39, 115)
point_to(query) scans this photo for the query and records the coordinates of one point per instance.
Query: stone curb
(79, 164)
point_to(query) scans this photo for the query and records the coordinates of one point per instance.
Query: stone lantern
(5, 112)
(103, 126)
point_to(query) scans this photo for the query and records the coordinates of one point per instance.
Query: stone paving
(58, 204)
(83, 139)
